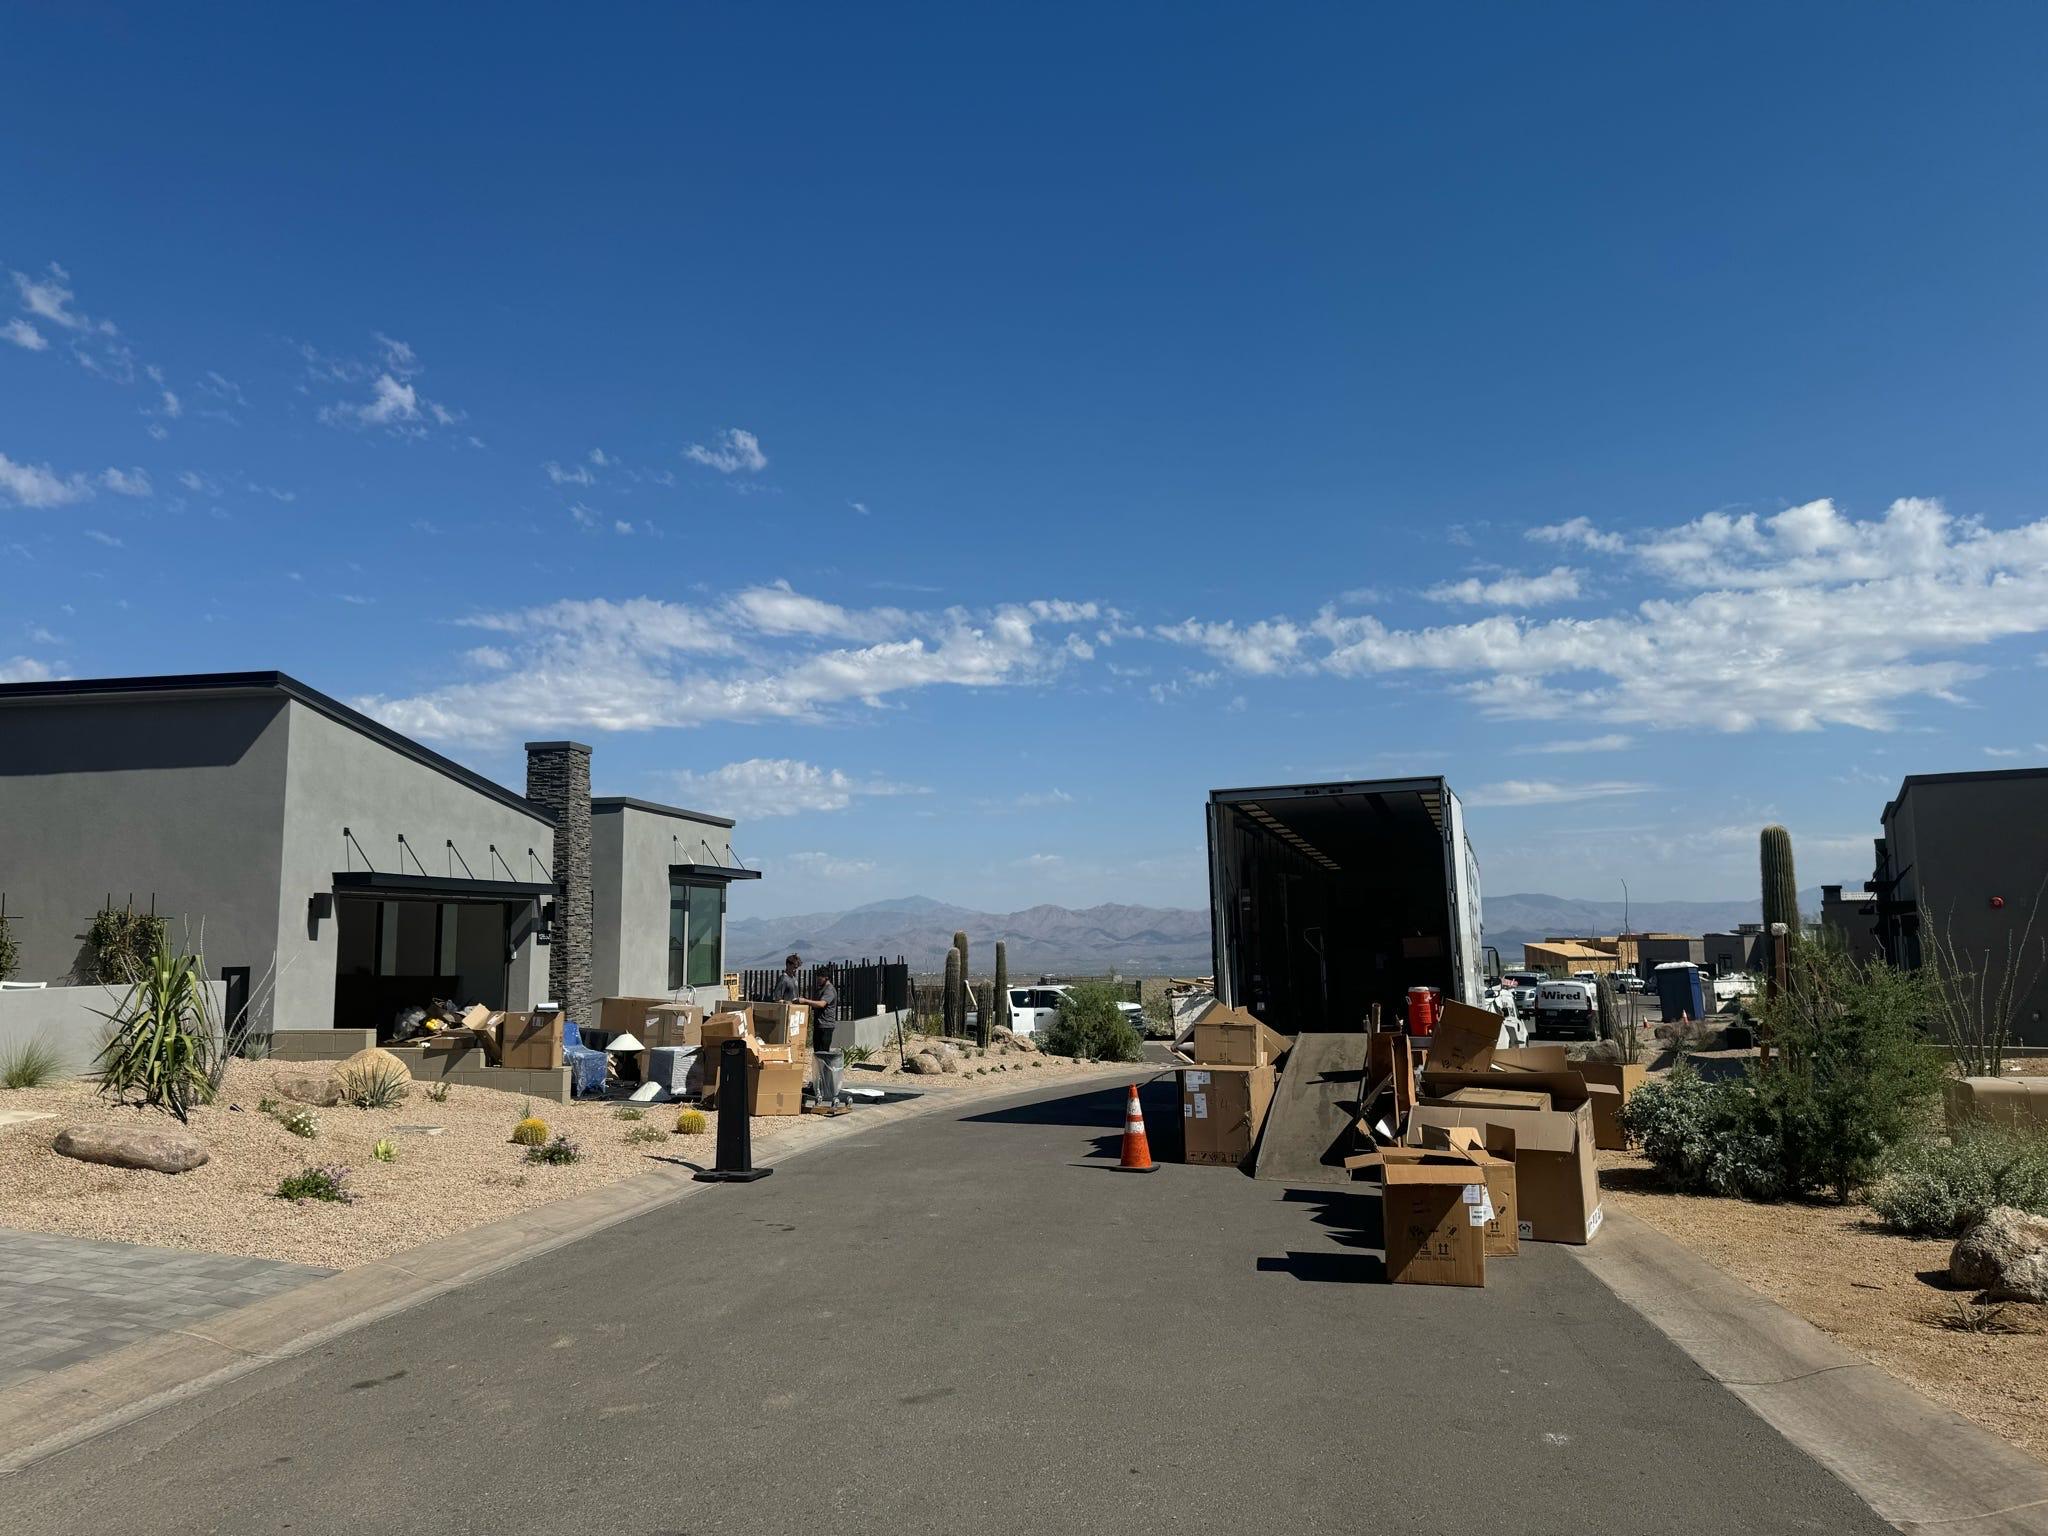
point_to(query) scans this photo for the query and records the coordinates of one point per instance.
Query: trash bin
(830, 1083)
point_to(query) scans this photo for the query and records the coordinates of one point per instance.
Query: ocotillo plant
(1781, 885)
(954, 1007)
(999, 1011)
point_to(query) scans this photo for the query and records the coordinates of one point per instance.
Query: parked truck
(1326, 899)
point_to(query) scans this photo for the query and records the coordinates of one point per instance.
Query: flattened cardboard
(1464, 1040)
(1434, 1208)
(1534, 1058)
(1222, 1110)
(1231, 1037)
(1391, 1057)
(1624, 1078)
(1499, 1098)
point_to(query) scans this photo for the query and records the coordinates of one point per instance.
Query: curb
(66, 1408)
(1922, 1467)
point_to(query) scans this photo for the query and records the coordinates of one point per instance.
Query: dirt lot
(1882, 1295)
(465, 1176)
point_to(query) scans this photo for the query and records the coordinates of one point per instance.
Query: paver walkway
(66, 1299)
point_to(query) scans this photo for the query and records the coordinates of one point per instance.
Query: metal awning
(712, 872)
(371, 882)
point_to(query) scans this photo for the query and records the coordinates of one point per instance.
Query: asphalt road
(964, 1325)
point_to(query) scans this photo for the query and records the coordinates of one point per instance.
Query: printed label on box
(1201, 1106)
(1525, 1231)
(1197, 1079)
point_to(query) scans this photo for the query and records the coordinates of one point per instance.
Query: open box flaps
(1557, 1187)
(1434, 1208)
(1464, 1039)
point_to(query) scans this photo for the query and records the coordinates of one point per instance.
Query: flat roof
(231, 684)
(1967, 776)
(599, 805)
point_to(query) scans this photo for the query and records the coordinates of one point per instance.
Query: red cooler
(1422, 1011)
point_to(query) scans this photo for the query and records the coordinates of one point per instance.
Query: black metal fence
(864, 985)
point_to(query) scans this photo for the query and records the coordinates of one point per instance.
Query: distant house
(1961, 866)
(356, 869)
(1563, 956)
(1851, 921)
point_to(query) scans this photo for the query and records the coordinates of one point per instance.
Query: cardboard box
(1435, 1208)
(1557, 1187)
(1499, 1098)
(1464, 1040)
(1231, 1037)
(2015, 1101)
(625, 1015)
(1493, 1150)
(736, 1005)
(531, 1041)
(1222, 1110)
(1624, 1078)
(785, 1025)
(774, 1088)
(672, 1024)
(1389, 1066)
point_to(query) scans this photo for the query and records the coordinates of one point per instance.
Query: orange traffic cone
(1137, 1150)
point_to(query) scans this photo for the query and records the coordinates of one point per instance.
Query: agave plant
(165, 1036)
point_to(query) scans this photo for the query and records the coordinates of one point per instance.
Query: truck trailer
(1326, 899)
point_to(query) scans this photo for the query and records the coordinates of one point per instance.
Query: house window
(696, 934)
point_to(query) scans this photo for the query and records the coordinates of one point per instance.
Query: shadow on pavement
(1102, 1110)
(1329, 1268)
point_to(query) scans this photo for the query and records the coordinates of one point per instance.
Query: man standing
(831, 1065)
(788, 989)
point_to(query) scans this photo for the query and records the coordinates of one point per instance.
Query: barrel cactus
(691, 1122)
(530, 1132)
(1780, 884)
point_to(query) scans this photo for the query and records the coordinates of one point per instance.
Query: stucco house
(334, 869)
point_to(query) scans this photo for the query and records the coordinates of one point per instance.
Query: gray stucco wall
(181, 800)
(1958, 845)
(70, 1019)
(340, 778)
(631, 851)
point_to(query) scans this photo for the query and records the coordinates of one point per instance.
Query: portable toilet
(1678, 989)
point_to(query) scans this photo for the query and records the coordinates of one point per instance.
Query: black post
(735, 1141)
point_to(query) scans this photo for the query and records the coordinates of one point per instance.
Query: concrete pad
(1918, 1465)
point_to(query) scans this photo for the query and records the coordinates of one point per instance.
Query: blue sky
(955, 439)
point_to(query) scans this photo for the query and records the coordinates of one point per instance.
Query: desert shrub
(645, 1133)
(691, 1122)
(1159, 1017)
(1092, 1027)
(31, 1064)
(560, 1150)
(120, 946)
(326, 1181)
(530, 1132)
(1706, 1138)
(386, 1150)
(438, 1092)
(1931, 1188)
(10, 951)
(856, 1054)
(161, 1051)
(298, 1119)
(374, 1085)
(629, 1112)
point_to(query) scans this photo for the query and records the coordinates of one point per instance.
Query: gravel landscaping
(466, 1175)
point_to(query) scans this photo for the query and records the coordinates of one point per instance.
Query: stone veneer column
(558, 781)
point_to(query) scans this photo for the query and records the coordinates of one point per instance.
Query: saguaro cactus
(954, 1005)
(1781, 885)
(998, 1014)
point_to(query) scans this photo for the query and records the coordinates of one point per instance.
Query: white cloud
(1544, 792)
(1579, 531)
(575, 474)
(50, 298)
(487, 656)
(1817, 620)
(2003, 752)
(101, 536)
(859, 506)
(620, 525)
(768, 654)
(25, 336)
(779, 786)
(173, 407)
(37, 485)
(733, 450)
(597, 457)
(130, 482)
(1559, 584)
(1267, 646)
(814, 865)
(24, 669)
(1613, 741)
(395, 403)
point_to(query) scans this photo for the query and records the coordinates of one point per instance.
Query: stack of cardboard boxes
(777, 1037)
(1496, 1150)
(1225, 1095)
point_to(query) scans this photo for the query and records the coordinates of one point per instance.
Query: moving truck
(1325, 899)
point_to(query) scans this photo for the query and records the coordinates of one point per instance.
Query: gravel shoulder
(465, 1176)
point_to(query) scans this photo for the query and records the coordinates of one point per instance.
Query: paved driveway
(970, 1324)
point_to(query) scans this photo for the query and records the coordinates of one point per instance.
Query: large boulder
(2005, 1255)
(373, 1057)
(313, 1086)
(161, 1148)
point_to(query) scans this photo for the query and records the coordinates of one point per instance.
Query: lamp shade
(624, 1043)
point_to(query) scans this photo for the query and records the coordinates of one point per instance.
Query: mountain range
(1153, 941)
